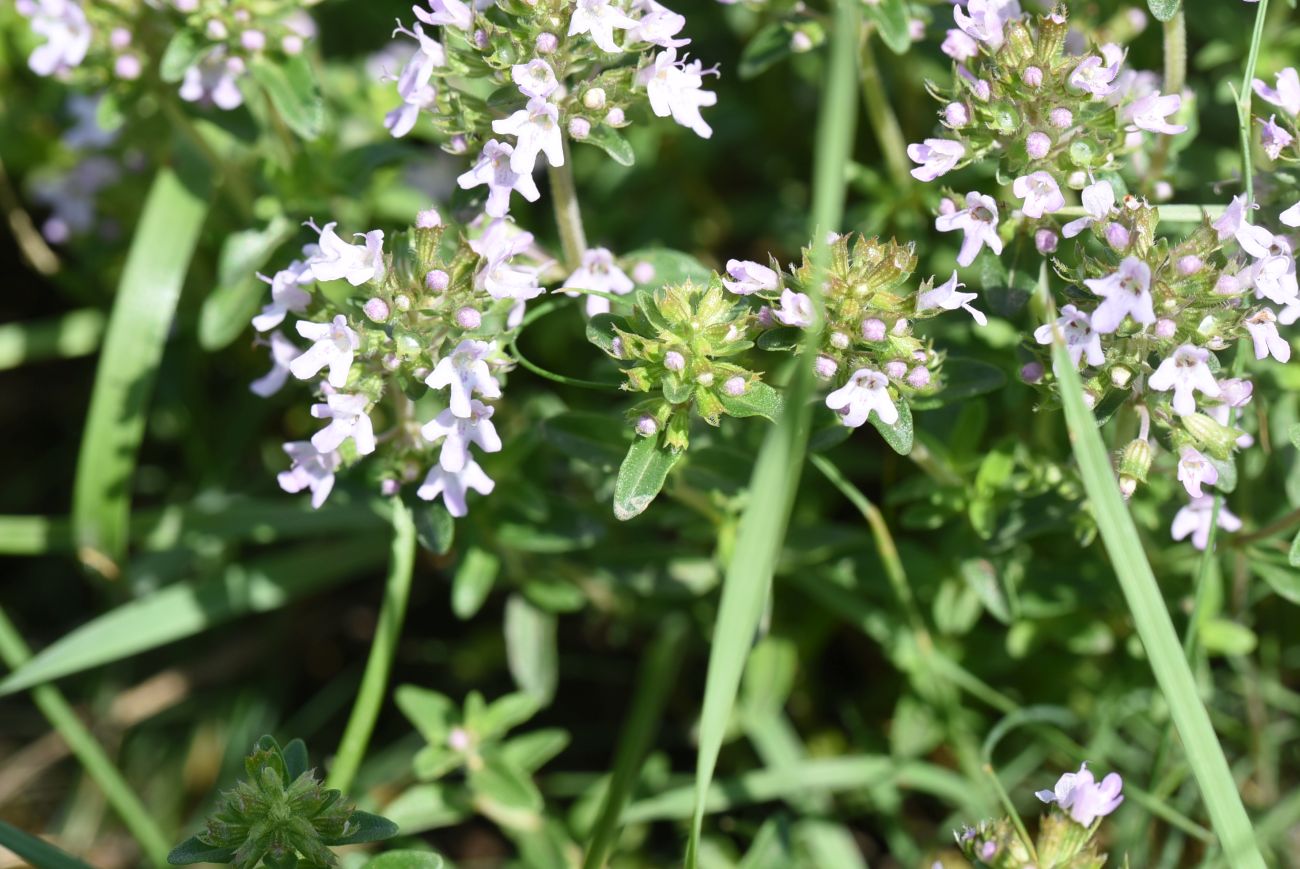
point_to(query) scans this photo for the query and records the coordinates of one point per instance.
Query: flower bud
(594, 99)
(646, 425)
(1037, 144)
(736, 386)
(1163, 191)
(468, 318)
(216, 30)
(119, 38)
(901, 327)
(437, 280)
(1117, 236)
(1032, 372)
(127, 67)
(1227, 285)
(704, 378)
(252, 40)
(457, 144)
(840, 341)
(579, 128)
(481, 40)
(825, 367)
(918, 377)
(1046, 240)
(1135, 461)
(458, 739)
(547, 43)
(429, 218)
(402, 302)
(1190, 264)
(1082, 153)
(674, 361)
(616, 348)
(1032, 76)
(800, 42)
(1061, 118)
(389, 487)
(896, 369)
(873, 329)
(1121, 376)
(956, 115)
(947, 206)
(1166, 328)
(615, 117)
(1214, 437)
(291, 45)
(377, 310)
(643, 272)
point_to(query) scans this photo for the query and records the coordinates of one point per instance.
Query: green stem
(568, 215)
(374, 682)
(1243, 102)
(884, 123)
(1010, 808)
(1175, 52)
(232, 180)
(134, 814)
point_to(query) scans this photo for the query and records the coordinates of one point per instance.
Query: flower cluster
(1279, 139)
(1144, 319)
(384, 326)
(1051, 112)
(545, 68)
(72, 194)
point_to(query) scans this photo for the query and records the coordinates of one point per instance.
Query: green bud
(1211, 435)
(1134, 463)
(1082, 153)
(1052, 30)
(1019, 45)
(1006, 118)
(1061, 840)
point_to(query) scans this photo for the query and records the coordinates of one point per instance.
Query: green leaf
(292, 88)
(239, 292)
(1163, 10)
(780, 338)
(962, 379)
(768, 47)
(188, 608)
(434, 526)
(365, 827)
(612, 142)
(758, 399)
(891, 19)
(1294, 557)
(137, 330)
(900, 435)
(38, 852)
(666, 266)
(432, 714)
(1225, 637)
(66, 336)
(194, 850)
(505, 793)
(406, 860)
(600, 330)
(532, 751)
(181, 53)
(641, 476)
(1286, 583)
(531, 651)
(473, 582)
(503, 714)
(982, 578)
(295, 758)
(1295, 435)
(597, 438)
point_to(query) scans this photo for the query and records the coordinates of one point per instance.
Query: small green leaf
(473, 582)
(532, 751)
(768, 47)
(238, 292)
(1163, 10)
(1226, 637)
(759, 399)
(503, 714)
(292, 88)
(1295, 435)
(641, 476)
(295, 758)
(611, 141)
(1286, 583)
(600, 330)
(365, 827)
(434, 526)
(406, 860)
(194, 850)
(432, 714)
(781, 338)
(892, 20)
(982, 578)
(531, 650)
(899, 435)
(1294, 558)
(180, 54)
(510, 794)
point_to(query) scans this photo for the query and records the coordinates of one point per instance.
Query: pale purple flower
(1150, 111)
(1095, 76)
(499, 275)
(1061, 118)
(86, 134)
(936, 156)
(338, 260)
(1098, 201)
(796, 309)
(466, 371)
(1045, 240)
(579, 129)
(334, 345)
(1263, 332)
(537, 129)
(978, 221)
(1185, 372)
(283, 352)
(1195, 469)
(1273, 138)
(66, 31)
(309, 469)
(348, 419)
(946, 297)
(866, 392)
(1117, 235)
(535, 79)
(1084, 797)
(1032, 76)
(287, 295)
(675, 89)
(1037, 145)
(1195, 519)
(985, 20)
(599, 272)
(600, 18)
(1081, 340)
(213, 78)
(71, 196)
(749, 277)
(414, 85)
(1041, 193)
(873, 329)
(1286, 96)
(1232, 219)
(493, 169)
(1125, 293)
(959, 46)
(956, 115)
(453, 13)
(460, 432)
(1274, 278)
(658, 26)
(454, 486)
(1234, 393)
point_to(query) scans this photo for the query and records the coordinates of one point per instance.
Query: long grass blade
(36, 851)
(133, 346)
(67, 336)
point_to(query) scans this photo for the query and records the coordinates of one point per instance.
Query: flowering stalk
(568, 214)
(1175, 53)
(884, 122)
(1244, 101)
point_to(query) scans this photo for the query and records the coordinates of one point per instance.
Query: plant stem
(884, 123)
(134, 814)
(1175, 52)
(568, 215)
(388, 630)
(232, 182)
(1243, 103)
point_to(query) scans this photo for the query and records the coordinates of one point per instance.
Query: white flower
(946, 297)
(1195, 469)
(355, 263)
(67, 34)
(658, 26)
(1098, 202)
(865, 392)
(749, 277)
(537, 129)
(502, 279)
(348, 419)
(283, 351)
(535, 79)
(675, 88)
(1081, 340)
(984, 20)
(979, 221)
(1230, 222)
(1095, 75)
(310, 469)
(453, 487)
(600, 18)
(460, 432)
(214, 78)
(1149, 112)
(936, 156)
(466, 372)
(1195, 519)
(1125, 293)
(1274, 278)
(796, 309)
(599, 272)
(1291, 217)
(493, 169)
(335, 344)
(286, 295)
(1185, 372)
(414, 84)
(1263, 332)
(1259, 242)
(1041, 194)
(453, 13)
(1286, 96)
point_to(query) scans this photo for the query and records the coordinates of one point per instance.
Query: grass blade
(133, 346)
(36, 851)
(185, 609)
(1151, 617)
(780, 460)
(67, 336)
(33, 535)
